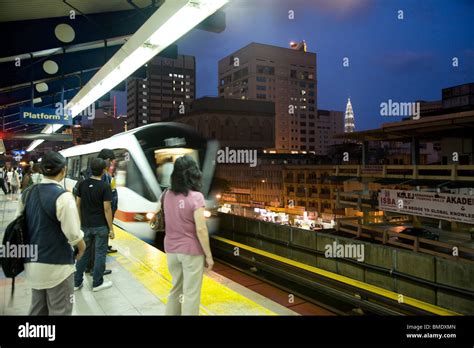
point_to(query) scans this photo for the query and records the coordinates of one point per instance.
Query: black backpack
(15, 235)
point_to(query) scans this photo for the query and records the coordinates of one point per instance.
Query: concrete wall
(457, 274)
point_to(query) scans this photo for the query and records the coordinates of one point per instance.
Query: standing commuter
(108, 156)
(27, 179)
(9, 180)
(3, 175)
(187, 239)
(94, 198)
(54, 227)
(36, 175)
(15, 183)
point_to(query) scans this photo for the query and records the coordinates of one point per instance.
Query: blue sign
(18, 152)
(44, 116)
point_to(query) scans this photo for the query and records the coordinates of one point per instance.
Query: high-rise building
(328, 123)
(349, 125)
(234, 123)
(283, 75)
(170, 85)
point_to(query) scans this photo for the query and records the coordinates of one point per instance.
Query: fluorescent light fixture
(169, 23)
(187, 18)
(34, 144)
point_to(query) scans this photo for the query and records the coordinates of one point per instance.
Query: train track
(331, 295)
(320, 291)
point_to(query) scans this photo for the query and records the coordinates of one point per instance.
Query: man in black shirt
(94, 198)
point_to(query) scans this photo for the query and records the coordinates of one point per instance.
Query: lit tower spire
(349, 126)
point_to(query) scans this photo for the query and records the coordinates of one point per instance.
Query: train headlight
(207, 214)
(150, 216)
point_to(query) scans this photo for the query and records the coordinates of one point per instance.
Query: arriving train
(142, 170)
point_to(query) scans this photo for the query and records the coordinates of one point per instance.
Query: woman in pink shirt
(187, 238)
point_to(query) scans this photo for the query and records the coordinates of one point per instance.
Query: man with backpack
(53, 225)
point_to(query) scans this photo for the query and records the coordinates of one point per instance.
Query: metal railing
(353, 226)
(450, 172)
(434, 172)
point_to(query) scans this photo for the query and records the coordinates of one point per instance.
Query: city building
(234, 123)
(395, 156)
(260, 186)
(286, 76)
(170, 85)
(104, 123)
(328, 123)
(453, 99)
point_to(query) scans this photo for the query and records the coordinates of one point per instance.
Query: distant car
(417, 232)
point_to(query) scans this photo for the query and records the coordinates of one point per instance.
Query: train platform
(141, 283)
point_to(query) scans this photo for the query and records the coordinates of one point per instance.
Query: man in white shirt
(54, 228)
(9, 179)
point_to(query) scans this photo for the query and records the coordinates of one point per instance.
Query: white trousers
(187, 273)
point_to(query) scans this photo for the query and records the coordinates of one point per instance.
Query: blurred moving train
(142, 170)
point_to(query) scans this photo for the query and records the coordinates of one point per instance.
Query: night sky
(403, 60)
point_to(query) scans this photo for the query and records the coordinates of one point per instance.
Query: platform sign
(18, 152)
(44, 116)
(434, 205)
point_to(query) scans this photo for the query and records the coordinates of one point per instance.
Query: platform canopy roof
(51, 49)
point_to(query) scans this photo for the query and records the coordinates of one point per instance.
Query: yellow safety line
(356, 283)
(149, 266)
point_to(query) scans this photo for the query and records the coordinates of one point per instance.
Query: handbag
(159, 224)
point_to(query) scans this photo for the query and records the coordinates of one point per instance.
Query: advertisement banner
(44, 116)
(434, 205)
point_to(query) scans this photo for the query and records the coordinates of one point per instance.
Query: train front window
(164, 160)
(127, 174)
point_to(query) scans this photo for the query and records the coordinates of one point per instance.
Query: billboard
(44, 116)
(434, 205)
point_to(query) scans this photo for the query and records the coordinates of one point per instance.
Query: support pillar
(415, 151)
(365, 153)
